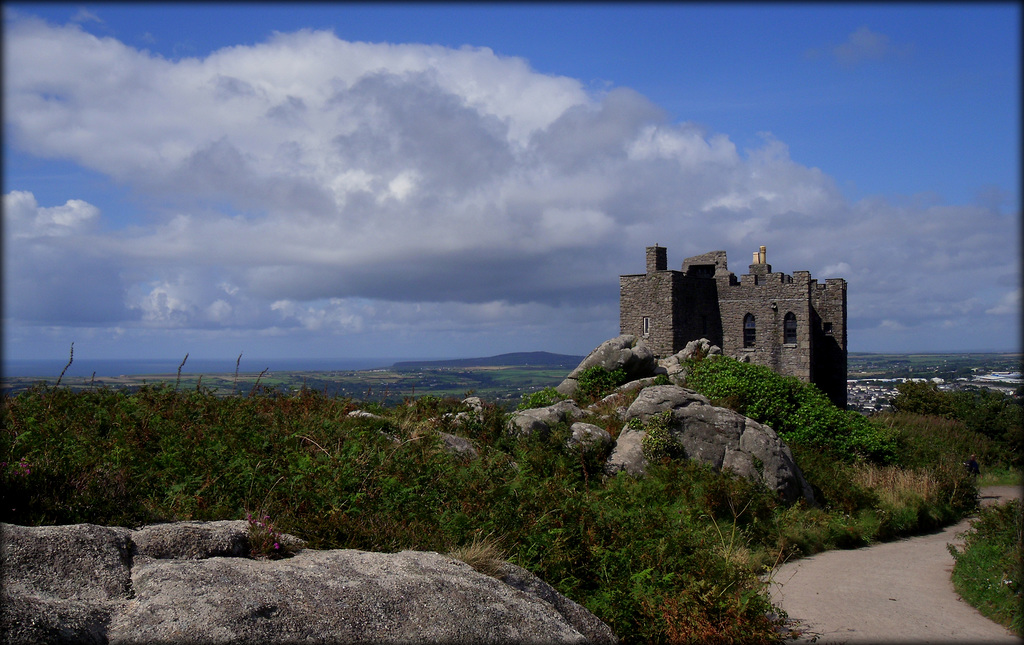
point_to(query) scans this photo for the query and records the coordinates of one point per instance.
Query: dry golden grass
(895, 485)
(483, 554)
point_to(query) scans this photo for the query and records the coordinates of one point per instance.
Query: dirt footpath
(891, 592)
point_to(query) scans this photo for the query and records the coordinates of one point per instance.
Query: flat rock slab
(330, 596)
(887, 593)
(190, 582)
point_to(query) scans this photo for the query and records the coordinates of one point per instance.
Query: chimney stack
(657, 258)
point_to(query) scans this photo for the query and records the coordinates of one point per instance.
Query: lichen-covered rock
(589, 437)
(475, 412)
(628, 454)
(659, 398)
(474, 403)
(363, 414)
(91, 584)
(458, 446)
(336, 596)
(33, 619)
(193, 540)
(625, 352)
(576, 615)
(541, 420)
(638, 384)
(82, 561)
(716, 436)
(674, 365)
(62, 583)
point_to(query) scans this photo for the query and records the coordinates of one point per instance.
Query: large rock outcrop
(716, 436)
(191, 582)
(525, 423)
(675, 365)
(627, 353)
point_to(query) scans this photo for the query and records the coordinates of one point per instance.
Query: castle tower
(791, 324)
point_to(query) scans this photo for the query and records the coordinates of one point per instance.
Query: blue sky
(460, 180)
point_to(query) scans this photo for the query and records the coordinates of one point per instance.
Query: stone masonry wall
(829, 370)
(769, 297)
(681, 306)
(648, 296)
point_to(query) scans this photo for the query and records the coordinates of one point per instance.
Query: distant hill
(535, 359)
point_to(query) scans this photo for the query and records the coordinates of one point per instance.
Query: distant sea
(51, 369)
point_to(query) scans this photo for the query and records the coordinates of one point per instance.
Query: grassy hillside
(674, 557)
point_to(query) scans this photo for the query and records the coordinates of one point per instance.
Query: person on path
(972, 466)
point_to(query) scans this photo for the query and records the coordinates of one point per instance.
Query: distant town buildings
(870, 395)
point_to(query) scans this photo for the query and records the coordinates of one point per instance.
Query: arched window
(749, 330)
(789, 329)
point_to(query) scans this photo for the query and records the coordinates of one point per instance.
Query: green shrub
(673, 556)
(595, 382)
(540, 399)
(799, 412)
(923, 397)
(926, 441)
(684, 578)
(989, 569)
(992, 414)
(1001, 477)
(658, 443)
(640, 553)
(833, 480)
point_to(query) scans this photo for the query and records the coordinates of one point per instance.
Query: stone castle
(791, 324)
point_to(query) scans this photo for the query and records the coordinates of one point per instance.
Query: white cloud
(308, 183)
(334, 315)
(1009, 304)
(892, 325)
(219, 311)
(839, 269)
(56, 267)
(84, 15)
(24, 218)
(863, 44)
(688, 145)
(165, 303)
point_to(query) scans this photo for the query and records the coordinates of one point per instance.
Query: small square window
(828, 328)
